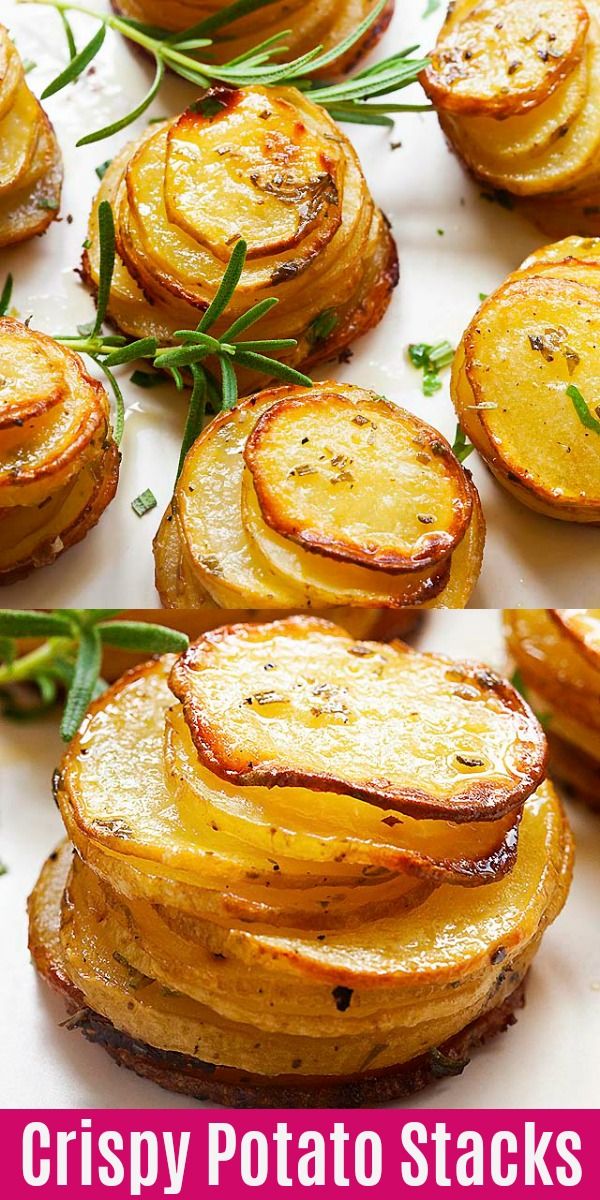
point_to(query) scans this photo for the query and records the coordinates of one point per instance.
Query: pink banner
(125, 1153)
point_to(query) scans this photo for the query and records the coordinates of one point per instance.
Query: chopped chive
(144, 503)
(582, 410)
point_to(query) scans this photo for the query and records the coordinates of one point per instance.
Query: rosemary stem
(111, 22)
(30, 665)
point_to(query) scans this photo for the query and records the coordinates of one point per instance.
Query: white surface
(530, 560)
(546, 1060)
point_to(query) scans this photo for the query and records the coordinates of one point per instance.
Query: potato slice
(340, 715)
(41, 453)
(19, 132)
(32, 374)
(179, 832)
(282, 188)
(346, 474)
(529, 342)
(11, 72)
(503, 63)
(327, 582)
(552, 665)
(582, 625)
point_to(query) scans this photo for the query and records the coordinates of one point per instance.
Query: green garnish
(49, 205)
(102, 168)
(144, 503)
(432, 6)
(346, 100)
(68, 659)
(324, 324)
(430, 360)
(3, 869)
(6, 296)
(461, 448)
(582, 410)
(517, 681)
(146, 379)
(28, 65)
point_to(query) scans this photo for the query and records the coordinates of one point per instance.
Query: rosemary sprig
(192, 346)
(347, 100)
(68, 660)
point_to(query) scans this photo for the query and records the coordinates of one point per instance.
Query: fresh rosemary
(210, 392)
(67, 661)
(582, 410)
(346, 100)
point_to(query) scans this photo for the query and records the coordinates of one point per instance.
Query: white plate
(538, 1063)
(453, 245)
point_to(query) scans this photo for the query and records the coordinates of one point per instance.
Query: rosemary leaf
(227, 287)
(6, 296)
(87, 670)
(130, 117)
(461, 448)
(195, 416)
(138, 635)
(106, 227)
(229, 384)
(119, 421)
(15, 623)
(77, 64)
(71, 43)
(582, 410)
(270, 366)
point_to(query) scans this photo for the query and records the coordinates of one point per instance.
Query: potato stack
(306, 25)
(30, 159)
(59, 464)
(261, 164)
(525, 381)
(556, 653)
(517, 90)
(329, 495)
(309, 870)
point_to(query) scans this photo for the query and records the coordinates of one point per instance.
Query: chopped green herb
(3, 869)
(432, 6)
(582, 409)
(322, 326)
(103, 168)
(29, 65)
(144, 503)
(49, 205)
(6, 296)
(441, 232)
(461, 448)
(483, 296)
(430, 360)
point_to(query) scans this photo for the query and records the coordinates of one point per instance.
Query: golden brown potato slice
(346, 474)
(552, 664)
(11, 71)
(340, 715)
(280, 191)
(19, 132)
(582, 625)
(504, 61)
(176, 834)
(32, 374)
(28, 211)
(529, 343)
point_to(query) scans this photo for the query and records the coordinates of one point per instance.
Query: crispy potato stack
(266, 165)
(517, 90)
(30, 159)
(318, 22)
(530, 344)
(557, 654)
(59, 465)
(314, 497)
(309, 870)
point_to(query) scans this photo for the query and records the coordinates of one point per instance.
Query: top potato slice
(20, 128)
(501, 60)
(582, 625)
(299, 702)
(11, 71)
(353, 477)
(529, 343)
(237, 169)
(32, 373)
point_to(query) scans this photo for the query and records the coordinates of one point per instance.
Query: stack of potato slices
(59, 464)
(30, 159)
(310, 870)
(329, 495)
(557, 655)
(518, 95)
(325, 23)
(525, 379)
(266, 165)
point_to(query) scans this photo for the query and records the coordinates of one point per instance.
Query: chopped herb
(432, 6)
(29, 65)
(3, 869)
(49, 205)
(582, 409)
(144, 503)
(440, 232)
(342, 997)
(6, 296)
(103, 168)
(320, 329)
(469, 760)
(483, 296)
(442, 1065)
(430, 360)
(461, 448)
